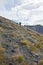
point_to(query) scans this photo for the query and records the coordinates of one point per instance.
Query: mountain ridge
(37, 28)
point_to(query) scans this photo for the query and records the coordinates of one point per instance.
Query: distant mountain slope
(37, 28)
(19, 45)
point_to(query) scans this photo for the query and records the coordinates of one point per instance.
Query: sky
(29, 12)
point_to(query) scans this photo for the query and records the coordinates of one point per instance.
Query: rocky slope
(19, 45)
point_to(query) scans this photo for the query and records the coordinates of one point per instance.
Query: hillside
(19, 45)
(37, 28)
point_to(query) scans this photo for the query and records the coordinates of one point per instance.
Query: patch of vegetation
(33, 48)
(28, 44)
(2, 55)
(19, 58)
(24, 42)
(41, 62)
(6, 27)
(5, 44)
(2, 50)
(1, 29)
(38, 45)
(30, 48)
(16, 46)
(33, 63)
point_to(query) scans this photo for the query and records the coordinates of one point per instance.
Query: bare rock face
(19, 45)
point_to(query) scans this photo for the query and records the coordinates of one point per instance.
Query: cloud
(25, 11)
(2, 4)
(12, 3)
(31, 6)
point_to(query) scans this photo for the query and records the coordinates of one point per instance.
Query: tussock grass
(41, 62)
(28, 44)
(38, 45)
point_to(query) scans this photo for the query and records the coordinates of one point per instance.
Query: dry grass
(38, 45)
(41, 62)
(19, 58)
(28, 44)
(24, 42)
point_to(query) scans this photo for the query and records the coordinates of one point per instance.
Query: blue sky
(28, 12)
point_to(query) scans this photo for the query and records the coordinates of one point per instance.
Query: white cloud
(26, 11)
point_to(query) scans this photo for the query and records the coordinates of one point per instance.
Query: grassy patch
(41, 62)
(24, 42)
(38, 45)
(19, 58)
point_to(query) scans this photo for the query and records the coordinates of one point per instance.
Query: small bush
(24, 42)
(19, 58)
